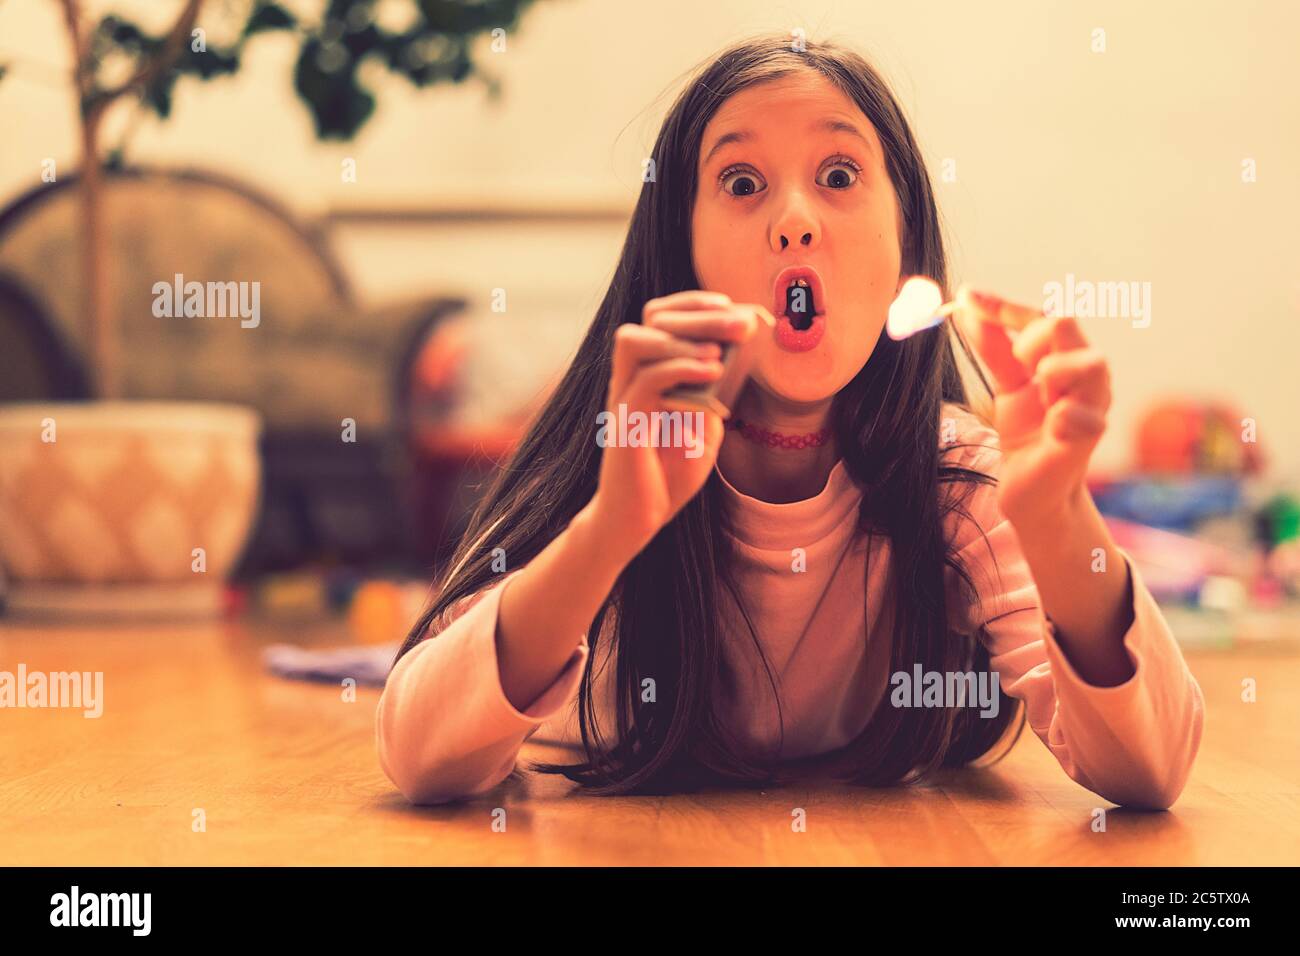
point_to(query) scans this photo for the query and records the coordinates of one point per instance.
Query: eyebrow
(828, 125)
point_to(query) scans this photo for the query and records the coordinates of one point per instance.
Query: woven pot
(124, 508)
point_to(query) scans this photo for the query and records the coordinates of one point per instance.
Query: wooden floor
(285, 773)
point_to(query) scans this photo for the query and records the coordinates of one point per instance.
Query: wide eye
(840, 174)
(741, 182)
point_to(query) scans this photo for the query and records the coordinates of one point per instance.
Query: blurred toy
(1184, 437)
(1278, 521)
(368, 666)
(341, 586)
(1191, 460)
(1283, 564)
(235, 600)
(1175, 503)
(383, 611)
(1220, 593)
(375, 616)
(295, 594)
(1177, 567)
(1277, 534)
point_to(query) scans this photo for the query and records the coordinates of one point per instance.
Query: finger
(651, 381)
(1011, 315)
(700, 427)
(1074, 422)
(687, 299)
(1080, 374)
(635, 345)
(639, 344)
(1053, 333)
(993, 345)
(726, 325)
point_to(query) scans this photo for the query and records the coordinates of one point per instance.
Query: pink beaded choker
(773, 439)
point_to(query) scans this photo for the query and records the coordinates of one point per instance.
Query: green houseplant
(189, 470)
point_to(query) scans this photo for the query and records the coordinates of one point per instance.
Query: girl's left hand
(1051, 395)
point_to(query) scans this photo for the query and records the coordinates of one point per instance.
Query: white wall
(1116, 166)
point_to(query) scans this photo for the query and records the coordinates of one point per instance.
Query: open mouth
(799, 297)
(800, 303)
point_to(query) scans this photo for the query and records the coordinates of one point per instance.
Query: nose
(795, 223)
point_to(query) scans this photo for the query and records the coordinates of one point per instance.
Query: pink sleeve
(444, 727)
(1132, 744)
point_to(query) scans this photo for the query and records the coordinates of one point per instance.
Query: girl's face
(792, 174)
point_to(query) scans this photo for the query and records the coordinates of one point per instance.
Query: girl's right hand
(642, 487)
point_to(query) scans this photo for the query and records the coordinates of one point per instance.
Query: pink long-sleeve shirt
(445, 729)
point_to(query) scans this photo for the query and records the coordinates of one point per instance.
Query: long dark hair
(666, 604)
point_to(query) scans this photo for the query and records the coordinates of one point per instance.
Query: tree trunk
(101, 340)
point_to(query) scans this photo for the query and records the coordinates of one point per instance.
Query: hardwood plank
(286, 774)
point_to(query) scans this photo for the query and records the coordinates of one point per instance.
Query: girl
(770, 606)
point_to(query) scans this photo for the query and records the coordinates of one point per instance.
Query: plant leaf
(269, 16)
